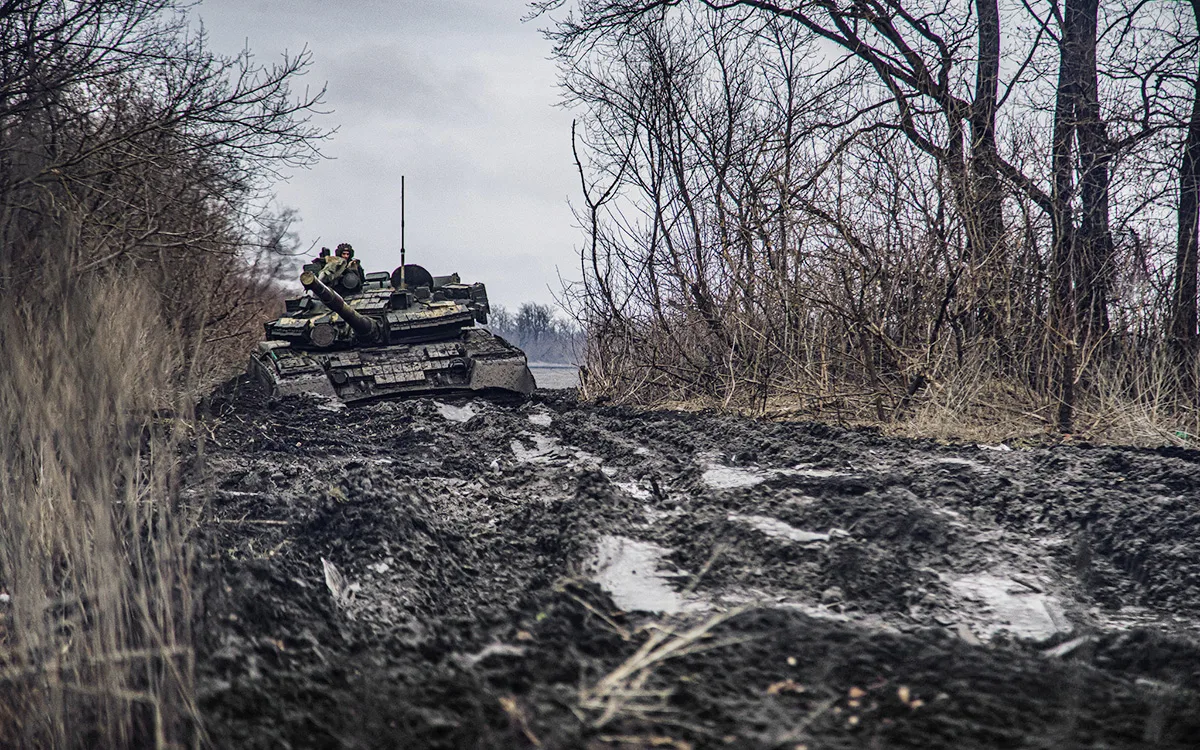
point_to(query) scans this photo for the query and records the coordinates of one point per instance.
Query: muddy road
(431, 574)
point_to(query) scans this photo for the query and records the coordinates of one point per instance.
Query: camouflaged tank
(361, 337)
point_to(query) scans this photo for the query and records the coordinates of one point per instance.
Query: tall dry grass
(95, 645)
(1133, 391)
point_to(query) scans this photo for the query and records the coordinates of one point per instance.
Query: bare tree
(1184, 282)
(931, 194)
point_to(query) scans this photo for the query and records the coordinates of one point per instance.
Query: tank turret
(365, 327)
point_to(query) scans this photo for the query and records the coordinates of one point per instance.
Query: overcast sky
(458, 96)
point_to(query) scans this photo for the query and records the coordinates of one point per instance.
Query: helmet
(343, 248)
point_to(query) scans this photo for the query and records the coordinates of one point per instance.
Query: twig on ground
(624, 689)
(621, 631)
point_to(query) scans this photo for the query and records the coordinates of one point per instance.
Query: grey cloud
(389, 79)
(458, 97)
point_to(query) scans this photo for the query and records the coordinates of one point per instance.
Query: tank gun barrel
(362, 325)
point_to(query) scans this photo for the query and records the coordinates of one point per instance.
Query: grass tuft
(95, 642)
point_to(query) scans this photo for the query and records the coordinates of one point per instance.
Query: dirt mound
(432, 574)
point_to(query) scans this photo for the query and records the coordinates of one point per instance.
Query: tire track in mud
(500, 560)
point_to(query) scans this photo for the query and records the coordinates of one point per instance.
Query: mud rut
(426, 574)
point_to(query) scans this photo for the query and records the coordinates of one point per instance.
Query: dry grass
(624, 691)
(95, 647)
(1127, 400)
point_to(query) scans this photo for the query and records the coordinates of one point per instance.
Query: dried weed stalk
(95, 642)
(624, 691)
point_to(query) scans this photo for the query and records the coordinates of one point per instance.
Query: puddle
(629, 571)
(966, 463)
(813, 472)
(1012, 607)
(756, 598)
(803, 501)
(542, 449)
(720, 477)
(773, 527)
(548, 450)
(591, 459)
(634, 490)
(457, 413)
(729, 478)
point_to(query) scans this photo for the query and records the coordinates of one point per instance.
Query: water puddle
(966, 463)
(629, 570)
(1012, 607)
(634, 490)
(773, 527)
(554, 375)
(1131, 617)
(730, 478)
(721, 477)
(457, 413)
(813, 472)
(592, 460)
(543, 449)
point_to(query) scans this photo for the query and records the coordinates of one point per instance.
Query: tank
(366, 336)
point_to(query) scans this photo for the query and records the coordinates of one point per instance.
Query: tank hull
(476, 361)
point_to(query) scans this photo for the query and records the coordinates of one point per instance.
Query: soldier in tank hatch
(337, 263)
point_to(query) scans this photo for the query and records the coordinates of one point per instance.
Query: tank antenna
(402, 283)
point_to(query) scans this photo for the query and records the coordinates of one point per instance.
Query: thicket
(540, 332)
(136, 257)
(890, 209)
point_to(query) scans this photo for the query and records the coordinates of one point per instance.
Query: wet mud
(432, 574)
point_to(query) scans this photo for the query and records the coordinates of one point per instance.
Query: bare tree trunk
(1063, 311)
(988, 189)
(1184, 292)
(1094, 249)
(1082, 254)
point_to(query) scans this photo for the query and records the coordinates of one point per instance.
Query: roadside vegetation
(137, 258)
(891, 212)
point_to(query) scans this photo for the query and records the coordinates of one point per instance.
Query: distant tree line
(873, 201)
(539, 331)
